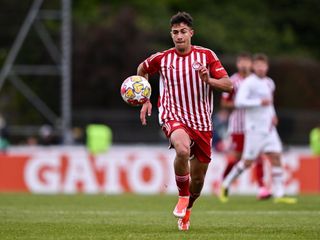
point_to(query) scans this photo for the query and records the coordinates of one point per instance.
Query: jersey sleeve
(152, 64)
(215, 67)
(243, 99)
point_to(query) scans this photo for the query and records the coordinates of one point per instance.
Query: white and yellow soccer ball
(135, 90)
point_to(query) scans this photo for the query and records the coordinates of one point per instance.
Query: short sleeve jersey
(183, 95)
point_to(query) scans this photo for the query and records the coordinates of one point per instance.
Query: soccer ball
(135, 90)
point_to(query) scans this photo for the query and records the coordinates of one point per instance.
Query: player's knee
(183, 151)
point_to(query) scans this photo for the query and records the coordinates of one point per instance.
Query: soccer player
(188, 75)
(236, 125)
(255, 95)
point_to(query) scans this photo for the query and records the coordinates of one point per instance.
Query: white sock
(234, 173)
(277, 180)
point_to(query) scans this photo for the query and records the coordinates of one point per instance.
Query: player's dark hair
(261, 57)
(245, 55)
(181, 17)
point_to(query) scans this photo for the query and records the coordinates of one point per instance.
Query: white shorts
(256, 143)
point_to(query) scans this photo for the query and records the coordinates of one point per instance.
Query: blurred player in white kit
(255, 95)
(236, 126)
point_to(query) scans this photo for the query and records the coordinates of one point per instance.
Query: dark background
(110, 39)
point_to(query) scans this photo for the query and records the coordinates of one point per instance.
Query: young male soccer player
(236, 124)
(255, 95)
(188, 75)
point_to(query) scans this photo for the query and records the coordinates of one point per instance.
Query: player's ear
(191, 32)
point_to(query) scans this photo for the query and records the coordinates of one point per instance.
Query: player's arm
(142, 72)
(223, 83)
(243, 99)
(147, 106)
(150, 66)
(275, 119)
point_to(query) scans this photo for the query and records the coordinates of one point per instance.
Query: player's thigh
(273, 143)
(253, 144)
(180, 139)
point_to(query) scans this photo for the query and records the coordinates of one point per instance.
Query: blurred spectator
(315, 140)
(4, 142)
(46, 135)
(32, 141)
(77, 135)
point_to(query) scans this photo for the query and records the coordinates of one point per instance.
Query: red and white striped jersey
(183, 95)
(236, 119)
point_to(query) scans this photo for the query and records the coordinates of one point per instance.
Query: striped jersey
(183, 95)
(236, 119)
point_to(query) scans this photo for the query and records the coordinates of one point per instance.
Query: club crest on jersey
(196, 65)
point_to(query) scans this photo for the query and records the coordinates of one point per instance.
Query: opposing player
(188, 75)
(255, 95)
(236, 125)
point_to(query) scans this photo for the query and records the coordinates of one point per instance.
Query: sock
(259, 172)
(277, 180)
(183, 183)
(192, 198)
(230, 164)
(234, 173)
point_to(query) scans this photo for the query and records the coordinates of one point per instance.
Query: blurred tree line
(110, 39)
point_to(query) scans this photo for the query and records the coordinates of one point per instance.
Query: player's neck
(261, 76)
(184, 51)
(244, 74)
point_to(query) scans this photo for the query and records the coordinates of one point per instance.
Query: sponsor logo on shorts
(176, 124)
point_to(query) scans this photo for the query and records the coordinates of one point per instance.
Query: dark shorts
(201, 140)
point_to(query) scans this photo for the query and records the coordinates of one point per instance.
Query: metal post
(66, 71)
(32, 14)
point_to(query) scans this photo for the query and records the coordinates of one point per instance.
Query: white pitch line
(272, 212)
(118, 212)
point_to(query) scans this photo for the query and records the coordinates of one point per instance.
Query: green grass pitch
(27, 216)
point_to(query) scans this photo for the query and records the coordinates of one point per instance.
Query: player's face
(244, 65)
(181, 35)
(260, 68)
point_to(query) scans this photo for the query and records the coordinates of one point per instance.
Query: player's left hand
(204, 74)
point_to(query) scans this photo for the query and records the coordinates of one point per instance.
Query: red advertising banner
(137, 169)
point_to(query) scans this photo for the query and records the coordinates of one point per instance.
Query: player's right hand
(146, 109)
(266, 102)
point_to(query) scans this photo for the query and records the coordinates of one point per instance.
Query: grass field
(25, 216)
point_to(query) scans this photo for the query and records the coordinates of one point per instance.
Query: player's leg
(252, 146)
(181, 143)
(232, 176)
(198, 172)
(258, 170)
(232, 159)
(263, 192)
(235, 154)
(273, 151)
